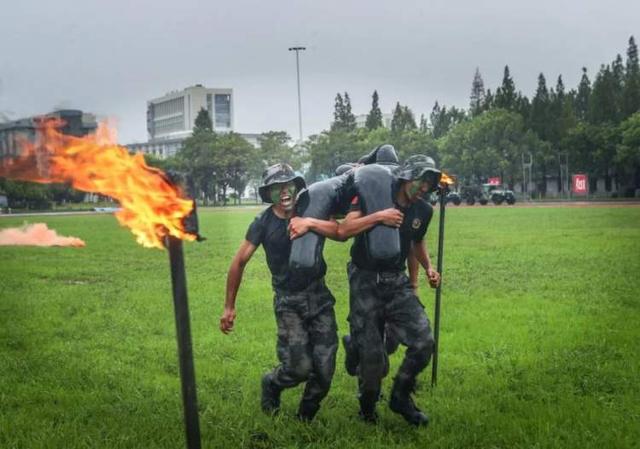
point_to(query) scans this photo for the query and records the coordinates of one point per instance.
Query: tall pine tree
(403, 119)
(603, 107)
(408, 119)
(348, 119)
(540, 117)
(343, 118)
(477, 97)
(506, 94)
(338, 113)
(488, 101)
(631, 95)
(583, 96)
(617, 74)
(374, 118)
(202, 122)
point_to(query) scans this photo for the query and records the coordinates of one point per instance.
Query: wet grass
(539, 339)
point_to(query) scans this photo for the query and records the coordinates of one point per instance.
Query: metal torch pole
(183, 333)
(436, 321)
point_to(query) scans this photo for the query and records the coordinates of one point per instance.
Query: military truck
(499, 194)
(484, 193)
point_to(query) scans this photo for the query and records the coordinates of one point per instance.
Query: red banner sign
(579, 184)
(494, 181)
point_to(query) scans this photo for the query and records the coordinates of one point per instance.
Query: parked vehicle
(484, 193)
(499, 194)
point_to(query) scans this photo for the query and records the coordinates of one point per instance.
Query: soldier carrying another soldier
(381, 295)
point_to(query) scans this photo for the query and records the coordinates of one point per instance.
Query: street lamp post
(297, 50)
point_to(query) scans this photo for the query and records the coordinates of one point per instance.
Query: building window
(223, 111)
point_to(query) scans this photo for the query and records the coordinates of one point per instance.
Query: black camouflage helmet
(279, 174)
(419, 166)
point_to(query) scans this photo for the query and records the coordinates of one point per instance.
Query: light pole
(297, 50)
(526, 183)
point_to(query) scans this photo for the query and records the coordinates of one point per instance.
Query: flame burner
(183, 328)
(181, 309)
(183, 335)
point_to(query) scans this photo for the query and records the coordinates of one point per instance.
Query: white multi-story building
(173, 115)
(171, 118)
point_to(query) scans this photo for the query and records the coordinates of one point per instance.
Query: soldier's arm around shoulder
(356, 222)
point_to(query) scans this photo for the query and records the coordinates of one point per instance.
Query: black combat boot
(368, 402)
(351, 359)
(307, 410)
(270, 400)
(402, 403)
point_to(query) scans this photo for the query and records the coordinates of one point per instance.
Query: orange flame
(151, 206)
(446, 179)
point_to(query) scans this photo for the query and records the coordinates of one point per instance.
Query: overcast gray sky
(110, 57)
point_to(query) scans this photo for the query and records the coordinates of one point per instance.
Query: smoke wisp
(37, 234)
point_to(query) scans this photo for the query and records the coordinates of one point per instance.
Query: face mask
(275, 194)
(415, 187)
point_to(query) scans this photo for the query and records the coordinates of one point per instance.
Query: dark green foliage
(631, 91)
(627, 157)
(403, 119)
(275, 148)
(603, 107)
(583, 96)
(505, 97)
(374, 118)
(214, 162)
(540, 118)
(443, 119)
(343, 118)
(488, 100)
(235, 157)
(27, 195)
(490, 144)
(203, 122)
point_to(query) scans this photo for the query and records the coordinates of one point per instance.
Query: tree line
(593, 128)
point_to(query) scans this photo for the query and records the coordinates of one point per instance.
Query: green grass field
(540, 338)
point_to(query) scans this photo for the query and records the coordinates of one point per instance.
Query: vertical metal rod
(183, 334)
(297, 50)
(436, 320)
(299, 100)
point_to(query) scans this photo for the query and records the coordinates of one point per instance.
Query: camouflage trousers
(307, 340)
(386, 300)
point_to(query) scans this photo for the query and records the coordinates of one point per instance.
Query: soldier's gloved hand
(298, 227)
(434, 277)
(390, 217)
(227, 319)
